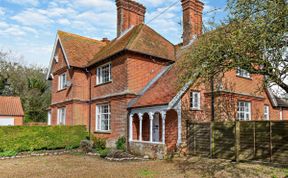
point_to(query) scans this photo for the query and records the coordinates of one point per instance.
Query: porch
(154, 131)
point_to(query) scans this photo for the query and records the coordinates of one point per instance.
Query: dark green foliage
(252, 37)
(27, 82)
(30, 138)
(99, 143)
(103, 153)
(121, 143)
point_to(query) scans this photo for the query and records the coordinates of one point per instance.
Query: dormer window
(62, 81)
(104, 74)
(242, 73)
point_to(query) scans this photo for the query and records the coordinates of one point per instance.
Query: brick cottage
(128, 86)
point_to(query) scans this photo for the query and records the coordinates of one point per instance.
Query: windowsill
(248, 78)
(97, 85)
(61, 89)
(103, 132)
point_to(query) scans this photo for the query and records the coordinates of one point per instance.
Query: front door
(156, 128)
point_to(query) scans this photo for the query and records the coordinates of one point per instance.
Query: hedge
(29, 138)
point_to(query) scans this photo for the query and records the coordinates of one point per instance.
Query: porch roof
(161, 92)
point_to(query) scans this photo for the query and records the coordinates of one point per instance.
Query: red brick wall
(119, 79)
(171, 129)
(226, 103)
(141, 71)
(118, 119)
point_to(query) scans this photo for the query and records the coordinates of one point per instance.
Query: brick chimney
(129, 13)
(192, 19)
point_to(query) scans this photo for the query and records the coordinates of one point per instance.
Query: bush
(8, 153)
(121, 143)
(86, 146)
(30, 138)
(99, 143)
(104, 153)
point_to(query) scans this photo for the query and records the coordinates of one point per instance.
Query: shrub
(86, 146)
(8, 153)
(99, 143)
(104, 153)
(121, 143)
(30, 138)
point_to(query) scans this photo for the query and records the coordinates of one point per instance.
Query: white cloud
(2, 11)
(63, 21)
(101, 4)
(24, 2)
(31, 17)
(154, 3)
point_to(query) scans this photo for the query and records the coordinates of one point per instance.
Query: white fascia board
(173, 103)
(53, 54)
(272, 97)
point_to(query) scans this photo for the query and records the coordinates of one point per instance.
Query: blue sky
(28, 27)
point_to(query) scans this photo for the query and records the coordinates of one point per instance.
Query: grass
(146, 173)
(77, 165)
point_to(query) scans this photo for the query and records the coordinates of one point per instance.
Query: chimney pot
(106, 40)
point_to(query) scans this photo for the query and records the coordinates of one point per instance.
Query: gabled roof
(10, 106)
(141, 39)
(79, 50)
(161, 92)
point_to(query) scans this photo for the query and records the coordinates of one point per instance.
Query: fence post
(212, 145)
(194, 139)
(237, 140)
(254, 139)
(270, 137)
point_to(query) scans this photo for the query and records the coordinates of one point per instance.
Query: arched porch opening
(136, 127)
(146, 127)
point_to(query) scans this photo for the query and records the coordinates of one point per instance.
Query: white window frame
(49, 121)
(266, 113)
(242, 73)
(62, 81)
(195, 100)
(100, 74)
(246, 111)
(61, 116)
(100, 116)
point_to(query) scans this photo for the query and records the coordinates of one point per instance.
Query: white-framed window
(103, 116)
(62, 81)
(242, 73)
(49, 121)
(244, 111)
(266, 113)
(195, 100)
(61, 116)
(104, 74)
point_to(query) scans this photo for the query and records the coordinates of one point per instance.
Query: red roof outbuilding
(10, 106)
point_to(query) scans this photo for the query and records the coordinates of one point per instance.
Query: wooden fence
(265, 141)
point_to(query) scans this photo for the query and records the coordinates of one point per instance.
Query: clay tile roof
(10, 106)
(141, 39)
(79, 50)
(161, 92)
(282, 102)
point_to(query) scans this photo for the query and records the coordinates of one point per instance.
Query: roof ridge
(134, 36)
(78, 36)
